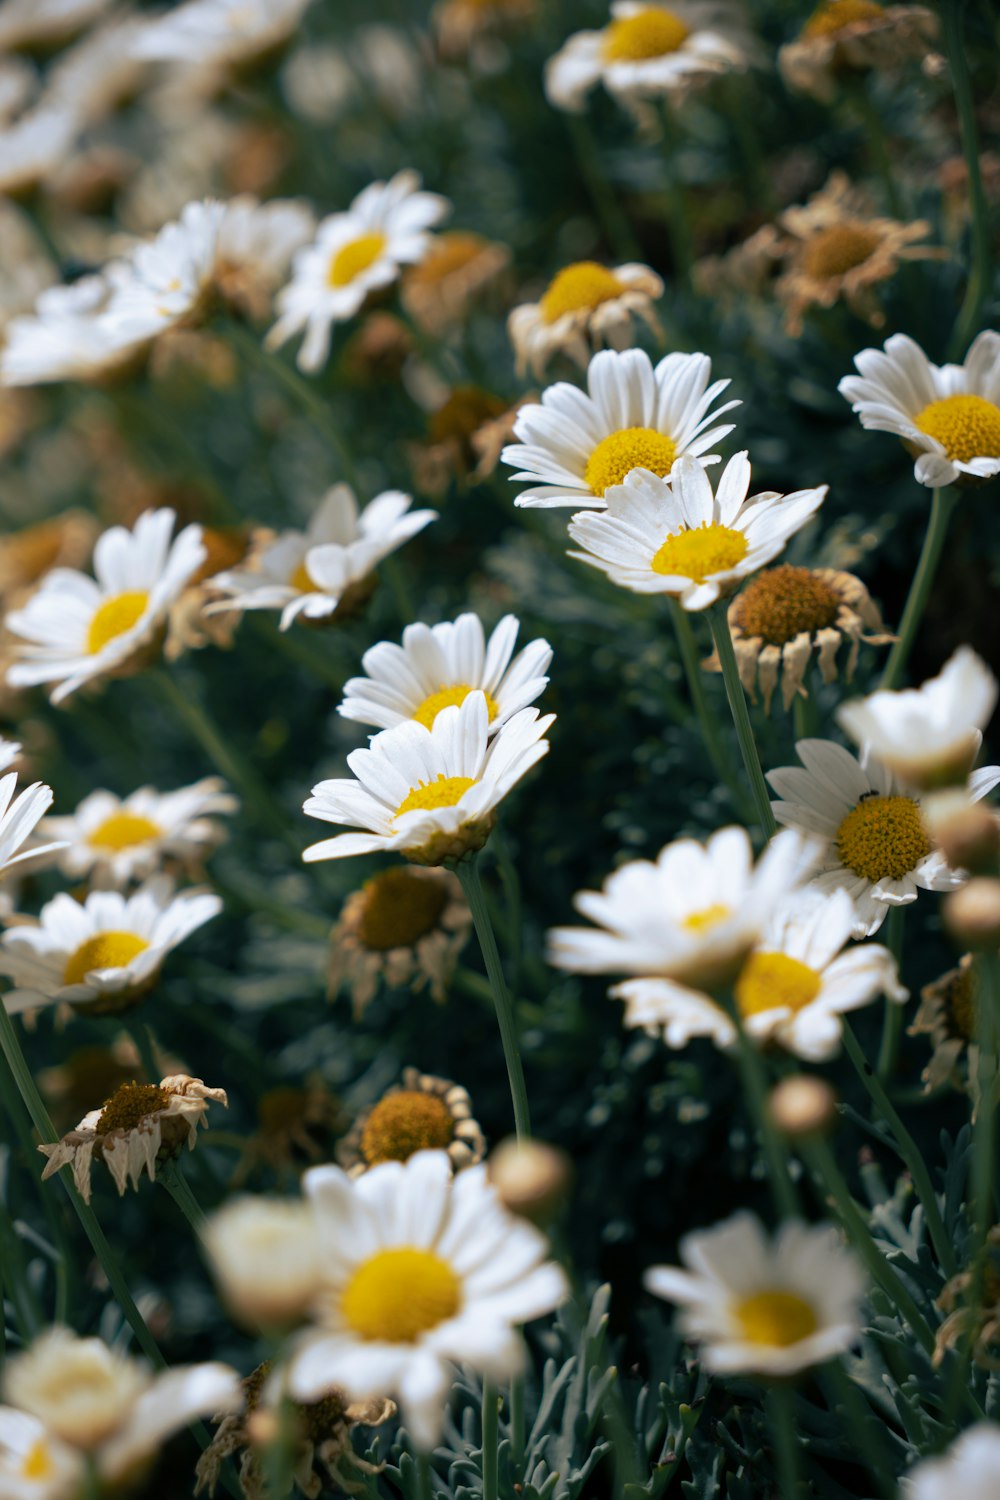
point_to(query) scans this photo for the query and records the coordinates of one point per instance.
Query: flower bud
(972, 913)
(531, 1178)
(803, 1105)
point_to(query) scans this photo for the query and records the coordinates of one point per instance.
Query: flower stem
(755, 1087)
(980, 276)
(781, 1420)
(179, 1188)
(741, 719)
(517, 1426)
(491, 1403)
(468, 873)
(942, 505)
(706, 718)
(424, 1488)
(892, 1016)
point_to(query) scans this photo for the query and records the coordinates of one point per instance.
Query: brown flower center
(839, 248)
(782, 602)
(404, 1122)
(463, 413)
(130, 1105)
(400, 908)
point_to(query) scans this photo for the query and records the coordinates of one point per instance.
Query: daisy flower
(692, 917)
(675, 536)
(430, 793)
(457, 267)
(140, 1125)
(101, 955)
(267, 1258)
(947, 1014)
(167, 282)
(19, 818)
(34, 1465)
(9, 751)
(928, 734)
(354, 254)
(585, 306)
(968, 1468)
(648, 51)
(113, 840)
(764, 1306)
(212, 34)
(107, 1405)
(876, 843)
(67, 337)
(328, 569)
(254, 250)
(947, 416)
(844, 35)
(421, 1269)
(574, 447)
(424, 1113)
(438, 665)
(74, 629)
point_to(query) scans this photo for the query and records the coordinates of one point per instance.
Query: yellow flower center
(443, 791)
(773, 981)
(38, 1463)
(396, 1295)
(709, 916)
(776, 1320)
(883, 838)
(839, 248)
(782, 602)
(354, 258)
(965, 426)
(621, 452)
(105, 950)
(835, 15)
(404, 1122)
(651, 33)
(447, 697)
(400, 908)
(114, 617)
(130, 1105)
(302, 579)
(123, 830)
(579, 288)
(700, 552)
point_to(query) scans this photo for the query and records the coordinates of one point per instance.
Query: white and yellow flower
(584, 307)
(574, 447)
(255, 247)
(876, 844)
(102, 954)
(764, 1306)
(647, 51)
(35, 1465)
(931, 733)
(354, 253)
(209, 35)
(167, 282)
(422, 1270)
(674, 536)
(67, 337)
(328, 567)
(968, 1468)
(438, 665)
(19, 818)
(947, 416)
(75, 628)
(430, 793)
(114, 840)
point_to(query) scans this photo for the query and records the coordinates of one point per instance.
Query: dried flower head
(294, 1127)
(843, 36)
(438, 291)
(459, 25)
(584, 307)
(423, 1113)
(947, 1014)
(449, 455)
(971, 1301)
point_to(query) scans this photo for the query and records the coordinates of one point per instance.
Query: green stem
(424, 1487)
(980, 276)
(14, 1274)
(517, 1426)
(491, 1406)
(892, 1015)
(143, 1039)
(755, 1087)
(942, 505)
(468, 874)
(781, 1420)
(707, 719)
(864, 1428)
(741, 718)
(908, 1150)
(177, 1185)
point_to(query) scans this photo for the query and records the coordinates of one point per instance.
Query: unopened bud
(972, 913)
(969, 839)
(263, 1427)
(531, 1178)
(803, 1105)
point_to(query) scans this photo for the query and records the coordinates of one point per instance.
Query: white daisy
(354, 253)
(430, 793)
(948, 416)
(760, 1305)
(105, 1404)
(102, 954)
(329, 566)
(968, 1468)
(220, 33)
(422, 1269)
(35, 1465)
(74, 629)
(930, 733)
(19, 817)
(438, 665)
(255, 247)
(24, 22)
(692, 917)
(876, 843)
(67, 337)
(647, 51)
(573, 447)
(166, 282)
(673, 536)
(585, 306)
(114, 840)
(9, 751)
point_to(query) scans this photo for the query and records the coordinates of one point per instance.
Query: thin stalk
(468, 874)
(491, 1407)
(741, 719)
(781, 1420)
(143, 1039)
(179, 1188)
(755, 1087)
(707, 719)
(424, 1488)
(517, 1426)
(15, 1272)
(980, 276)
(942, 505)
(892, 1015)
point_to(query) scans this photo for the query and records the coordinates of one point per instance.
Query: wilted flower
(584, 307)
(457, 266)
(845, 35)
(424, 1113)
(971, 1300)
(947, 1014)
(460, 24)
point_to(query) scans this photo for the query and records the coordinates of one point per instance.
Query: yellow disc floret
(653, 32)
(783, 602)
(400, 908)
(621, 452)
(836, 15)
(130, 1105)
(38, 1465)
(352, 259)
(396, 1295)
(123, 830)
(837, 249)
(302, 579)
(447, 697)
(700, 552)
(883, 838)
(443, 791)
(406, 1121)
(114, 617)
(105, 950)
(776, 1320)
(709, 916)
(965, 426)
(773, 981)
(579, 288)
